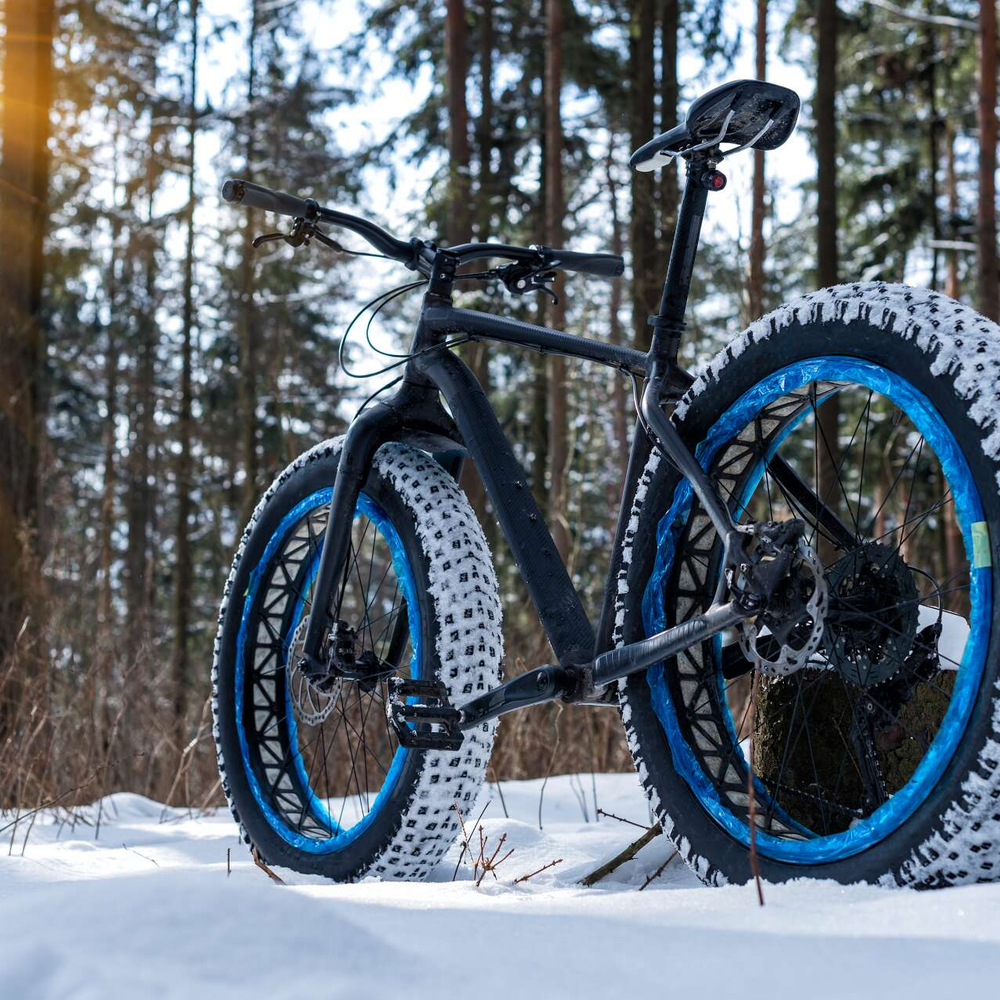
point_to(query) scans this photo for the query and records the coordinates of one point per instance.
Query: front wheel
(877, 756)
(313, 772)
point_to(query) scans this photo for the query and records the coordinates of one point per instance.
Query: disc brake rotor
(798, 636)
(311, 702)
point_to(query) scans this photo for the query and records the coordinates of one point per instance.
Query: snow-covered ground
(147, 910)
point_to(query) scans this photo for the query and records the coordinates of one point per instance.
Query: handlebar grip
(253, 195)
(601, 265)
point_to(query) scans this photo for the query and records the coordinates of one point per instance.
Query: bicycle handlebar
(416, 254)
(253, 195)
(601, 265)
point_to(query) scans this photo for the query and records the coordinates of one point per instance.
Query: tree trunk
(142, 409)
(554, 211)
(484, 124)
(247, 375)
(824, 113)
(24, 182)
(755, 278)
(180, 668)
(539, 374)
(478, 354)
(457, 229)
(988, 269)
(647, 272)
(105, 610)
(619, 395)
(669, 195)
(772, 718)
(951, 283)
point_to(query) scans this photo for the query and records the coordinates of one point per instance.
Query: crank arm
(533, 688)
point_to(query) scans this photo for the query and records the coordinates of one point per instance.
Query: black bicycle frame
(586, 661)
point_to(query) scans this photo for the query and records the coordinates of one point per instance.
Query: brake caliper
(785, 575)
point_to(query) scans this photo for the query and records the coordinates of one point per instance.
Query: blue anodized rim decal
(401, 566)
(968, 509)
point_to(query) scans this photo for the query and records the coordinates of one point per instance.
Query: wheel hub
(873, 614)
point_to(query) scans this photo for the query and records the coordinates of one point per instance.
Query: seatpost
(668, 324)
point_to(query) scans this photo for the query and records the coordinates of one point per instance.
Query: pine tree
(24, 188)
(986, 236)
(755, 278)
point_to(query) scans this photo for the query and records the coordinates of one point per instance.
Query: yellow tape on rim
(981, 545)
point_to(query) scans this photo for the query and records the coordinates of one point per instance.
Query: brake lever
(520, 279)
(259, 241)
(303, 231)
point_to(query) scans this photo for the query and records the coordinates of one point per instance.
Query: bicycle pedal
(434, 719)
(419, 689)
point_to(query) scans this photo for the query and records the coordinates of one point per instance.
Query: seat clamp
(674, 327)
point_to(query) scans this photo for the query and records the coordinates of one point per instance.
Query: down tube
(549, 585)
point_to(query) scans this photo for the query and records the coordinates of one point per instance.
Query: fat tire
(461, 615)
(952, 354)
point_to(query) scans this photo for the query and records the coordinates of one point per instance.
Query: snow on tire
(953, 354)
(458, 583)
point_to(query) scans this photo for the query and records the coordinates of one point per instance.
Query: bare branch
(659, 871)
(262, 865)
(921, 18)
(619, 859)
(524, 878)
(622, 819)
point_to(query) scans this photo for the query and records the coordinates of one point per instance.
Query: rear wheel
(314, 771)
(876, 757)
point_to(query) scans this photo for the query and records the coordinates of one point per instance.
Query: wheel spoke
(340, 750)
(835, 738)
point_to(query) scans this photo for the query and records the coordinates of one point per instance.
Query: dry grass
(69, 737)
(74, 731)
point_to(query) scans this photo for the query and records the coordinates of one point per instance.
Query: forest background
(156, 372)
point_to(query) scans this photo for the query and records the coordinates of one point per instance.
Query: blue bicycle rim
(968, 509)
(341, 837)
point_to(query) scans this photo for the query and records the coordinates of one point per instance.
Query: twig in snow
(465, 840)
(659, 871)
(524, 878)
(229, 866)
(465, 836)
(20, 817)
(490, 864)
(576, 786)
(754, 864)
(262, 865)
(622, 819)
(143, 856)
(496, 781)
(552, 760)
(619, 859)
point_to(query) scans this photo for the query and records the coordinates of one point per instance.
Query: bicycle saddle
(748, 113)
